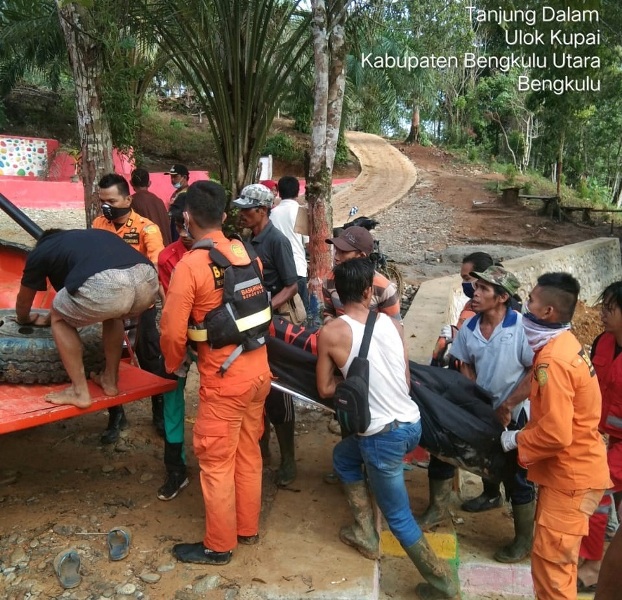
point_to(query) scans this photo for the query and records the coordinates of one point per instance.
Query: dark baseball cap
(352, 239)
(178, 170)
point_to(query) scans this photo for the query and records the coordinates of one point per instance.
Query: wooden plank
(530, 197)
(24, 406)
(587, 208)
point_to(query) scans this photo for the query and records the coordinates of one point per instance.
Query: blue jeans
(382, 456)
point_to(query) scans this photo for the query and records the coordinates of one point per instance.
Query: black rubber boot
(441, 582)
(438, 508)
(116, 422)
(157, 411)
(490, 498)
(287, 471)
(520, 547)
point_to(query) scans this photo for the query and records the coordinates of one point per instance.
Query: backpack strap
(369, 329)
(219, 259)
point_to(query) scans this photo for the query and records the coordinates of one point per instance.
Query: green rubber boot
(441, 582)
(520, 548)
(361, 535)
(438, 508)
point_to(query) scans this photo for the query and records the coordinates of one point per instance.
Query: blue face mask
(531, 317)
(177, 185)
(468, 289)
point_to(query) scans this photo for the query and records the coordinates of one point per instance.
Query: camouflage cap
(255, 195)
(499, 276)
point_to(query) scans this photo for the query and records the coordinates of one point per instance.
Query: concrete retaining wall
(595, 263)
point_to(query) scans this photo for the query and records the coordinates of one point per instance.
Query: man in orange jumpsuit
(560, 445)
(229, 419)
(145, 236)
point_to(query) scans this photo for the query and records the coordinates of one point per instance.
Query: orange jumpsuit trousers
(226, 443)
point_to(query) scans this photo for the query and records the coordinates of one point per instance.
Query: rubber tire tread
(29, 354)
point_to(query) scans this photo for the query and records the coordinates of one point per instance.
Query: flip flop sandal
(119, 539)
(67, 568)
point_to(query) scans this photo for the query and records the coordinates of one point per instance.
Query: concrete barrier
(595, 263)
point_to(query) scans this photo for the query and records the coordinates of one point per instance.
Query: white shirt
(283, 216)
(389, 395)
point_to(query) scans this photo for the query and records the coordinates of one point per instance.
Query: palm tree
(241, 57)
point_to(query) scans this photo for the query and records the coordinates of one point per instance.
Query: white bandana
(539, 335)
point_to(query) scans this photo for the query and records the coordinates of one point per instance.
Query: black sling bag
(351, 399)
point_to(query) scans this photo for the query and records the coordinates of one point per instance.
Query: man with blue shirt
(494, 352)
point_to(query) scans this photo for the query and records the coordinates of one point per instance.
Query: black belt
(393, 425)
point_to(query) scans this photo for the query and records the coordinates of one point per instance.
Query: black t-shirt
(69, 258)
(277, 258)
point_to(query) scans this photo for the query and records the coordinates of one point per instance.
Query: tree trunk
(560, 163)
(413, 135)
(85, 58)
(329, 57)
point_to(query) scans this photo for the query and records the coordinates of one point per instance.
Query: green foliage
(242, 58)
(177, 124)
(424, 138)
(342, 154)
(172, 137)
(590, 189)
(283, 147)
(510, 174)
(472, 151)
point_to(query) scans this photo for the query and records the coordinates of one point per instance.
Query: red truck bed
(24, 406)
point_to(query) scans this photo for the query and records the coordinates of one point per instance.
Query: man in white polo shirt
(494, 352)
(283, 216)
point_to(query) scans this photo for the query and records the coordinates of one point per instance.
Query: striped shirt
(385, 298)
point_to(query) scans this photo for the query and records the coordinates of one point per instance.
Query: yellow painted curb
(444, 544)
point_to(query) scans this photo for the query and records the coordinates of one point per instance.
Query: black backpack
(351, 398)
(244, 317)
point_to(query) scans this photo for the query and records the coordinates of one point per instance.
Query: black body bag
(351, 399)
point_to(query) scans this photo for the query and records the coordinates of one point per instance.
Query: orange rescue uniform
(141, 233)
(565, 454)
(230, 415)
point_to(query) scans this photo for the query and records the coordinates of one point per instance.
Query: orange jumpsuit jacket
(560, 445)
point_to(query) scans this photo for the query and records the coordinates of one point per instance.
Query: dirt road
(386, 177)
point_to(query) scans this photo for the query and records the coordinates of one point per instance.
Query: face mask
(468, 289)
(541, 323)
(177, 185)
(112, 212)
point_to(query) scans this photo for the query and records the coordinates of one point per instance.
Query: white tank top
(389, 398)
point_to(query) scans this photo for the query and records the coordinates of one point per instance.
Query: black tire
(28, 354)
(394, 275)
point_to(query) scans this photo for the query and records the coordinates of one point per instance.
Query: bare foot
(110, 387)
(69, 396)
